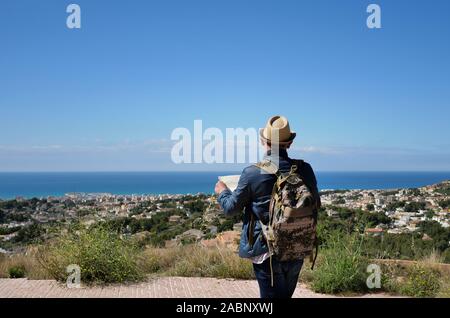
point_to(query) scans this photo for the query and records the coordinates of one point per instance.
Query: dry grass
(436, 262)
(445, 287)
(433, 258)
(196, 261)
(412, 277)
(33, 270)
(188, 261)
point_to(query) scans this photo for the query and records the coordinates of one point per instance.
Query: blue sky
(107, 96)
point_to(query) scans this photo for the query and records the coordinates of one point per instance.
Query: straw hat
(277, 126)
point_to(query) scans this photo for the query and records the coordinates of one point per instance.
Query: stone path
(164, 287)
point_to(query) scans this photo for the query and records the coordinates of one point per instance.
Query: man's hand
(220, 187)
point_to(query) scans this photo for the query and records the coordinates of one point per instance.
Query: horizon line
(200, 171)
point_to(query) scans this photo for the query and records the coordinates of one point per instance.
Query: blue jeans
(285, 277)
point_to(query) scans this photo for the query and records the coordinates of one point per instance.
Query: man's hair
(283, 146)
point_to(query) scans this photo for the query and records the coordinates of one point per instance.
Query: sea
(43, 184)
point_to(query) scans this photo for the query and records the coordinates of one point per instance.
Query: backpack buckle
(293, 168)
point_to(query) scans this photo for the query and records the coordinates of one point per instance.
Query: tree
(429, 214)
(226, 225)
(445, 190)
(135, 226)
(8, 230)
(444, 204)
(446, 256)
(393, 206)
(439, 234)
(195, 206)
(415, 206)
(374, 219)
(29, 233)
(339, 201)
(414, 191)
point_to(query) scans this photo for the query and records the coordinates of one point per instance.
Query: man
(276, 279)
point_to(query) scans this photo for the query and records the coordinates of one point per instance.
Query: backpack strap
(250, 230)
(313, 255)
(312, 187)
(313, 259)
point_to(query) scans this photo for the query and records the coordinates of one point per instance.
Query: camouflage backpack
(291, 230)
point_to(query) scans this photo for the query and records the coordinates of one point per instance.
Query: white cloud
(361, 150)
(149, 146)
(318, 150)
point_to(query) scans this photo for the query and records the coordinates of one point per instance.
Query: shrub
(29, 233)
(28, 261)
(392, 276)
(101, 253)
(446, 256)
(17, 271)
(421, 281)
(341, 268)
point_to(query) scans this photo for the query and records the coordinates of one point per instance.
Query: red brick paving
(163, 287)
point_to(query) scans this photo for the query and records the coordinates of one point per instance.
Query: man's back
(255, 186)
(253, 195)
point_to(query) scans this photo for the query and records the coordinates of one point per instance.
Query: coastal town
(170, 220)
(405, 207)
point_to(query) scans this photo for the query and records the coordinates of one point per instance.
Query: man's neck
(282, 153)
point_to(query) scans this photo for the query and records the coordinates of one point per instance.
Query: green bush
(446, 256)
(29, 234)
(422, 281)
(101, 253)
(341, 268)
(17, 271)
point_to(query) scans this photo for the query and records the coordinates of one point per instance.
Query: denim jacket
(252, 196)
